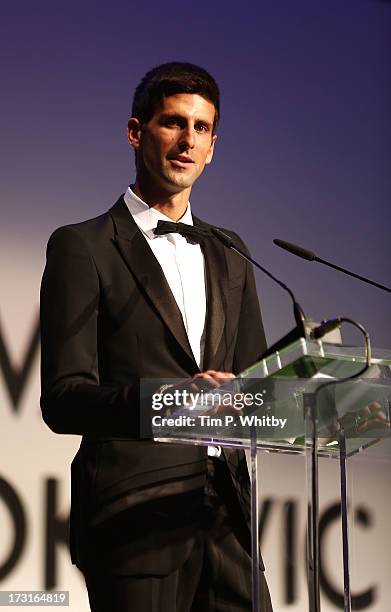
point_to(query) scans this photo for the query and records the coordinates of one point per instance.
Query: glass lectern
(291, 402)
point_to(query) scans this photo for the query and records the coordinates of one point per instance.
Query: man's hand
(203, 382)
(211, 379)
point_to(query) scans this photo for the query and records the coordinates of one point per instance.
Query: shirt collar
(146, 217)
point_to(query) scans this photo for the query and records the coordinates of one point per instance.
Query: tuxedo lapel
(217, 287)
(148, 272)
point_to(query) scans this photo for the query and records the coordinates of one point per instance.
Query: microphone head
(296, 250)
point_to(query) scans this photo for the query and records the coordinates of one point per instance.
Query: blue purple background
(303, 149)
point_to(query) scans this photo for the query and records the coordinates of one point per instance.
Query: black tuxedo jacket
(109, 319)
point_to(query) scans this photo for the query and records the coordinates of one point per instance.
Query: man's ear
(134, 132)
(211, 150)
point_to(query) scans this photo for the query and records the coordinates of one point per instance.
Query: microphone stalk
(303, 325)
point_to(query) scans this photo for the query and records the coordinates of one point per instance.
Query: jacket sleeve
(72, 399)
(251, 341)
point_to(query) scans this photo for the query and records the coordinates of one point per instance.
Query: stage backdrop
(303, 154)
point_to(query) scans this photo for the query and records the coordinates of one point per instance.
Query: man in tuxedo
(153, 527)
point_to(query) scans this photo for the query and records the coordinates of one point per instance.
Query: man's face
(174, 146)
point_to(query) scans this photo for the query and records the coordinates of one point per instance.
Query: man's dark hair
(170, 79)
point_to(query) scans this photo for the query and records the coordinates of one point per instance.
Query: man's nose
(187, 140)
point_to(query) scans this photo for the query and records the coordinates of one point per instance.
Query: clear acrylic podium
(291, 402)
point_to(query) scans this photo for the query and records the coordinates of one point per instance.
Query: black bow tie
(192, 233)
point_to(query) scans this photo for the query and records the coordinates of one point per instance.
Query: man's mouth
(181, 161)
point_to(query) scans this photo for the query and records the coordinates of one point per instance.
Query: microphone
(310, 256)
(303, 325)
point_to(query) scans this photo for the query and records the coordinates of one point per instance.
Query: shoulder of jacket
(90, 229)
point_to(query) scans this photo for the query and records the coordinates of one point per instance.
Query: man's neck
(173, 205)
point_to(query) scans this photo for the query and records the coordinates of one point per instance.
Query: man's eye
(172, 121)
(202, 127)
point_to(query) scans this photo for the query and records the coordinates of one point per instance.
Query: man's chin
(180, 180)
